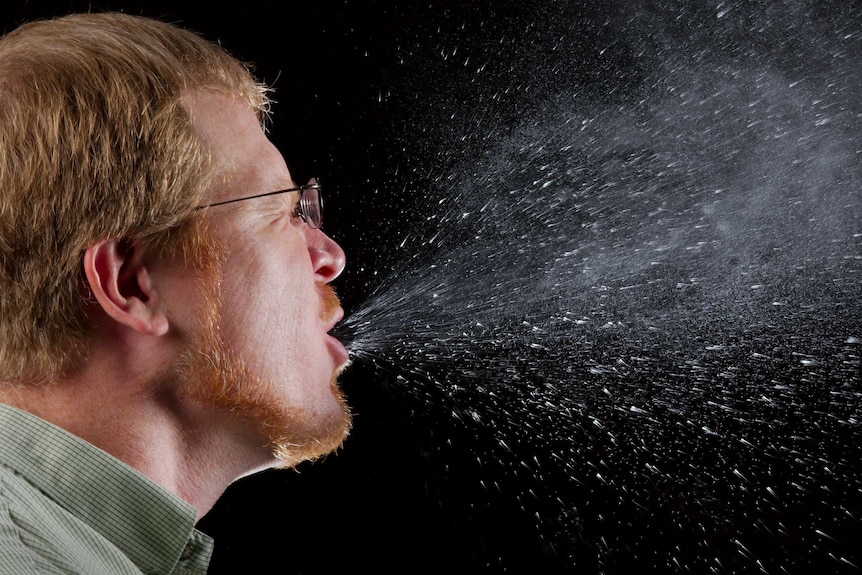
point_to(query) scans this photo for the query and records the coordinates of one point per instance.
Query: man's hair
(95, 143)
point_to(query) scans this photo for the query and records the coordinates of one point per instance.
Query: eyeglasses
(310, 205)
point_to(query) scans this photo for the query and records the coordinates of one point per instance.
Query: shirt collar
(152, 526)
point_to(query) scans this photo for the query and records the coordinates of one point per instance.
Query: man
(164, 297)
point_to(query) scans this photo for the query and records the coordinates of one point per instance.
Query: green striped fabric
(69, 507)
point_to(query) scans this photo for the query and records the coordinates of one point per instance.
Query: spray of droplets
(652, 307)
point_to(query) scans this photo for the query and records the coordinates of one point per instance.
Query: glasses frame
(305, 204)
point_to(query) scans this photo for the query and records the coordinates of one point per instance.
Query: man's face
(263, 352)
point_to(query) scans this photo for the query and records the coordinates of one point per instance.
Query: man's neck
(186, 448)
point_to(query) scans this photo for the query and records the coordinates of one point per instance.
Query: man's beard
(218, 377)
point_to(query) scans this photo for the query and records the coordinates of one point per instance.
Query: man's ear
(123, 286)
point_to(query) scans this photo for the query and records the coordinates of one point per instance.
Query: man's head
(114, 131)
(94, 143)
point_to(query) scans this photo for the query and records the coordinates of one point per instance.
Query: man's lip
(336, 346)
(339, 350)
(337, 317)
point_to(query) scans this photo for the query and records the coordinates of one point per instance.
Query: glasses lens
(311, 203)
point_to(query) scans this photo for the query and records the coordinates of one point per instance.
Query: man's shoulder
(20, 504)
(39, 536)
(19, 499)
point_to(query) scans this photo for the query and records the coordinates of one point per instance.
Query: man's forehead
(244, 160)
(221, 119)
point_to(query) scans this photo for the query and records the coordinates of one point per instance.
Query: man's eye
(297, 210)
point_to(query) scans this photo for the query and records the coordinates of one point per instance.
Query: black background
(374, 97)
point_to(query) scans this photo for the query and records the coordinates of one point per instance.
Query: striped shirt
(68, 507)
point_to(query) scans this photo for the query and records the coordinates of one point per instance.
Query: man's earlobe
(123, 286)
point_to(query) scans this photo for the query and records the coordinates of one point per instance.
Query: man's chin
(289, 453)
(299, 436)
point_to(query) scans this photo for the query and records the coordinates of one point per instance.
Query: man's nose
(327, 257)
